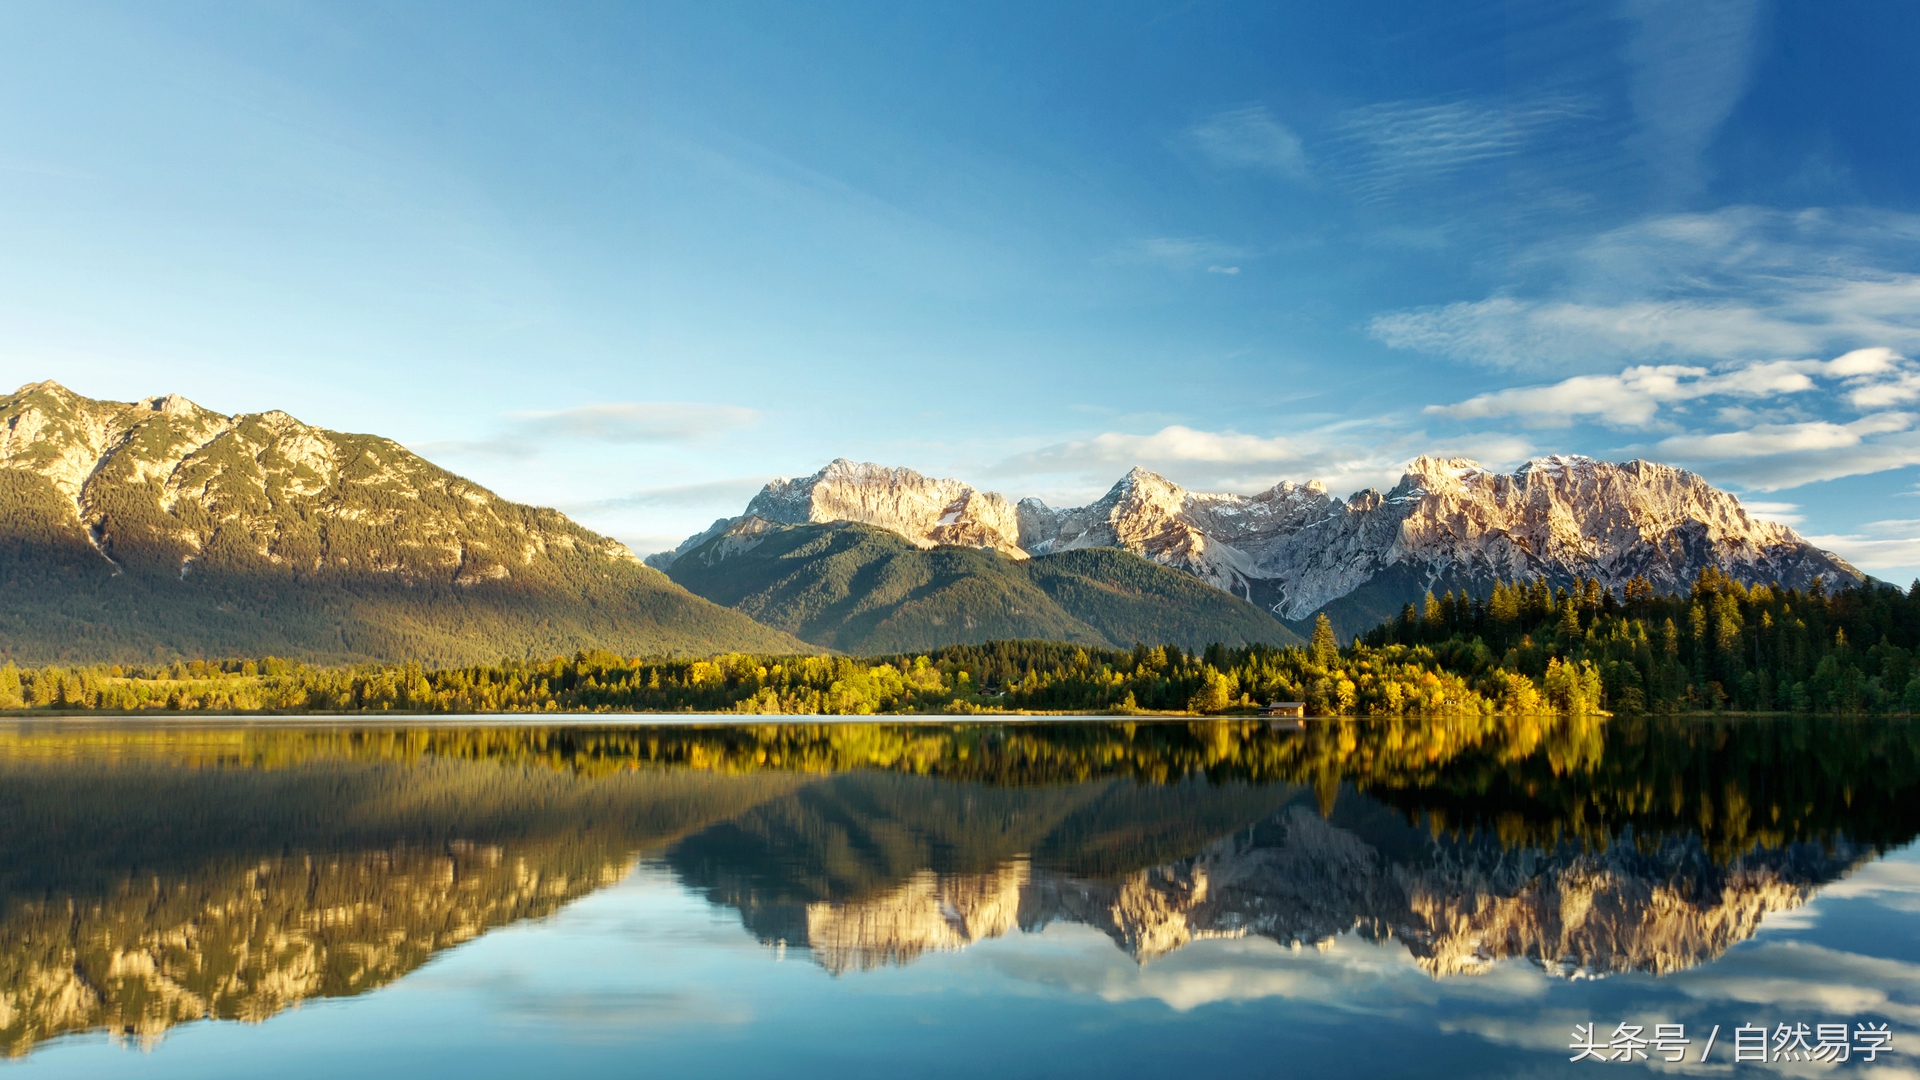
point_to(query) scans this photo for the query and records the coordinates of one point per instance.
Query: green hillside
(135, 532)
(864, 590)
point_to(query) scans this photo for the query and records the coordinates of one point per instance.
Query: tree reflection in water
(152, 874)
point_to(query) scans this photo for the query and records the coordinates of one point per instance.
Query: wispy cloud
(1396, 145)
(1881, 545)
(730, 495)
(1742, 283)
(1785, 513)
(1790, 468)
(1181, 253)
(527, 434)
(1635, 397)
(1690, 65)
(638, 421)
(1766, 440)
(1250, 139)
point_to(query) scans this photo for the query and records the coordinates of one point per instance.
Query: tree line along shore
(1522, 647)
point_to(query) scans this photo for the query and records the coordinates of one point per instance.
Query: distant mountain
(1296, 550)
(865, 590)
(155, 529)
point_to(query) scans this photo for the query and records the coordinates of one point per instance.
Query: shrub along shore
(1523, 648)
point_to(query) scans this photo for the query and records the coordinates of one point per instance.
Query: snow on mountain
(1294, 549)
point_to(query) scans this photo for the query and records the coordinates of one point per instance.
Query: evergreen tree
(1504, 608)
(1569, 619)
(1326, 647)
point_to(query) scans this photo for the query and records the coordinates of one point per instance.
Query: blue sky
(634, 259)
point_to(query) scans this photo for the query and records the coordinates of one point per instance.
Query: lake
(623, 896)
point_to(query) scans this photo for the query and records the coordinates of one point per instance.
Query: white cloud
(1864, 363)
(1784, 443)
(1343, 457)
(1738, 284)
(1785, 513)
(1891, 882)
(1878, 545)
(1792, 973)
(1900, 390)
(1766, 440)
(1790, 469)
(1506, 332)
(1223, 269)
(1251, 138)
(1634, 397)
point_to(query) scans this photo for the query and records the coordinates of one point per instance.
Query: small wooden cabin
(1294, 709)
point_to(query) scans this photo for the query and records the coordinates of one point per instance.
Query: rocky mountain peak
(172, 405)
(929, 512)
(1449, 523)
(1141, 491)
(1434, 473)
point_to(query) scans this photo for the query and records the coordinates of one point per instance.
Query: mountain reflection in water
(152, 874)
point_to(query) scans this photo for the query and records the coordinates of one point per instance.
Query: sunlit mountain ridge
(158, 528)
(1297, 549)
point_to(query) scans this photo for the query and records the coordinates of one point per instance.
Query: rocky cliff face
(927, 512)
(1296, 549)
(1459, 907)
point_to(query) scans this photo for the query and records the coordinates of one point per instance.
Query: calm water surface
(1431, 897)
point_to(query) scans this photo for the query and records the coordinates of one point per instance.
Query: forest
(1722, 646)
(1524, 647)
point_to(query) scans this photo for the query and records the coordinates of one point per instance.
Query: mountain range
(155, 529)
(158, 529)
(1296, 550)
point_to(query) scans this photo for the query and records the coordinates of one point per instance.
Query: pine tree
(1539, 599)
(1569, 619)
(1590, 595)
(1505, 605)
(1326, 647)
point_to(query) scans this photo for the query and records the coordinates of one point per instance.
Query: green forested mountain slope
(865, 590)
(136, 531)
